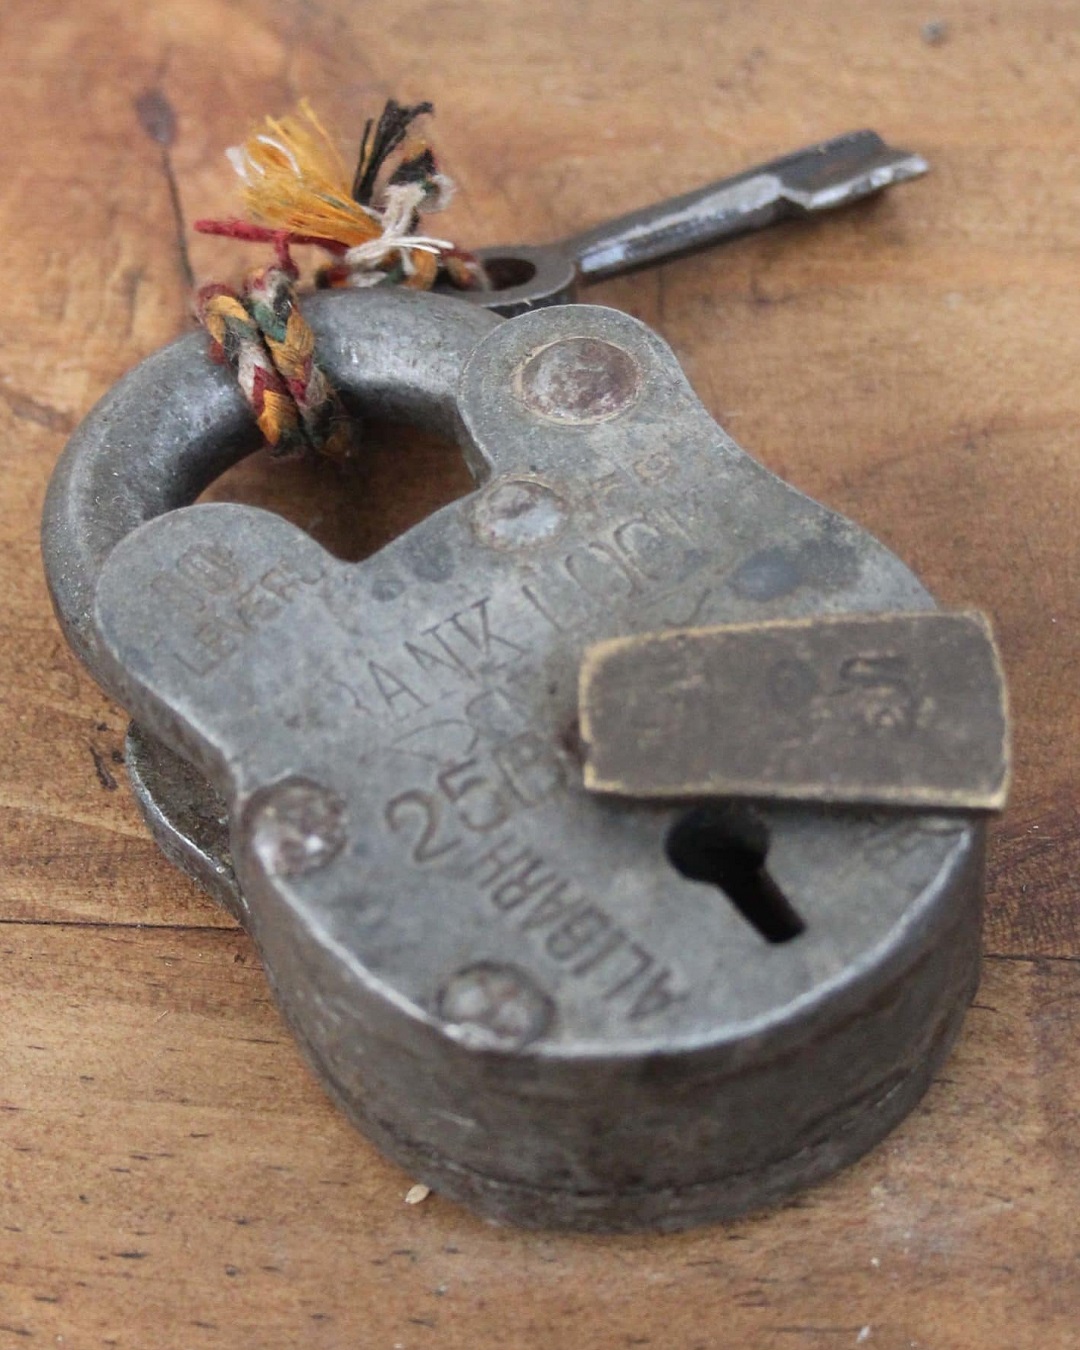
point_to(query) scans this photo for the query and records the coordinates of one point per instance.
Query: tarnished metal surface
(178, 421)
(818, 178)
(186, 815)
(517, 988)
(894, 709)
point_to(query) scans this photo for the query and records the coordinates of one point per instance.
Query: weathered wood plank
(174, 1176)
(911, 363)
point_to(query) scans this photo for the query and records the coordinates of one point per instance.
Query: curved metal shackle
(177, 421)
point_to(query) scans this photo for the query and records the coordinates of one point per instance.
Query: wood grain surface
(172, 1175)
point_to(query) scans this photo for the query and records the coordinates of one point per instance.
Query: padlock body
(512, 985)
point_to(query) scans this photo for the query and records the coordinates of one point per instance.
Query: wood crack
(157, 117)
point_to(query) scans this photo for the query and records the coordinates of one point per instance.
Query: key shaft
(819, 177)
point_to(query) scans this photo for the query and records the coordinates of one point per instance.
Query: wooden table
(173, 1177)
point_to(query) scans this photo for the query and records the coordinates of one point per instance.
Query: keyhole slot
(729, 849)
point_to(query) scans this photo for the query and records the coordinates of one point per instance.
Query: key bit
(819, 177)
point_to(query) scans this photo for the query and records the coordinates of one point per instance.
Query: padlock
(516, 988)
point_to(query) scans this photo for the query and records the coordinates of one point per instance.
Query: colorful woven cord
(296, 189)
(263, 338)
(271, 300)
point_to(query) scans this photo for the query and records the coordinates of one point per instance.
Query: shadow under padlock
(535, 998)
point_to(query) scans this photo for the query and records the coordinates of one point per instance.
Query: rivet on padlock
(505, 980)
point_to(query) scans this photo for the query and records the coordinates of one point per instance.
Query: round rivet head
(297, 827)
(495, 1004)
(518, 513)
(579, 379)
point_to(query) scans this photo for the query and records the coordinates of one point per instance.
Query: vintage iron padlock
(507, 982)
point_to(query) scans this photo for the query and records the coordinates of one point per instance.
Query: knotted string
(297, 191)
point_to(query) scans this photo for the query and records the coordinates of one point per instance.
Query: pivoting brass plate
(878, 709)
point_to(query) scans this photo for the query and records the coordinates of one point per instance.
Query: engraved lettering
(473, 625)
(532, 773)
(689, 612)
(479, 803)
(642, 962)
(216, 640)
(431, 662)
(354, 698)
(445, 645)
(653, 553)
(286, 579)
(654, 467)
(614, 942)
(597, 569)
(499, 859)
(657, 996)
(211, 567)
(542, 609)
(673, 523)
(570, 928)
(255, 606)
(208, 578)
(576, 932)
(528, 881)
(601, 488)
(882, 682)
(392, 687)
(553, 906)
(199, 663)
(415, 804)
(175, 590)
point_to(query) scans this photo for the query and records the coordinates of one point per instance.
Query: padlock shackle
(177, 421)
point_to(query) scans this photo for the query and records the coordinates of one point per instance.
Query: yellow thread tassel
(295, 180)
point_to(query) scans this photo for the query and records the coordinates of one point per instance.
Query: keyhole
(728, 849)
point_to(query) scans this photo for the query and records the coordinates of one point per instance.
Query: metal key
(818, 178)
